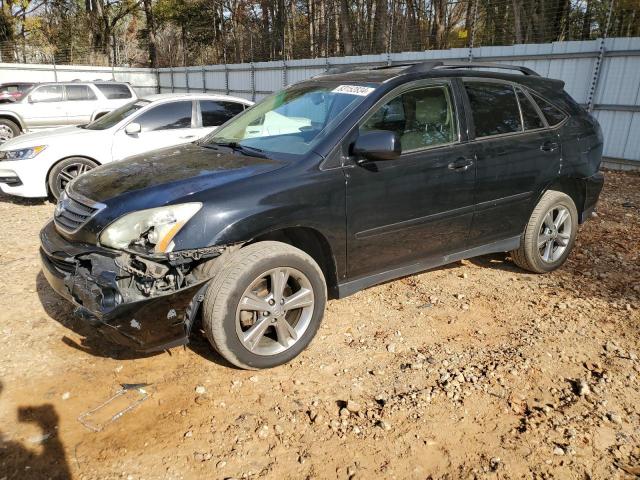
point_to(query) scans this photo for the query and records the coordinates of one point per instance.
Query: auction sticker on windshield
(353, 90)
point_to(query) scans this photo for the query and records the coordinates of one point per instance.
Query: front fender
(13, 116)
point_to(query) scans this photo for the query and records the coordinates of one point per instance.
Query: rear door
(45, 108)
(517, 157)
(80, 103)
(162, 125)
(420, 205)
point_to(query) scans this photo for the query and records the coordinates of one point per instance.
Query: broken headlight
(153, 228)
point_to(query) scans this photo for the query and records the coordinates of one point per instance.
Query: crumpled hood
(46, 137)
(174, 171)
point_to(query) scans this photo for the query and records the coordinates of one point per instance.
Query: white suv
(50, 105)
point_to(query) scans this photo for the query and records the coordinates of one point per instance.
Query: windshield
(115, 117)
(294, 120)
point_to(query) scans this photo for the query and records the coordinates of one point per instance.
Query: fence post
(226, 78)
(158, 87)
(186, 78)
(55, 71)
(595, 77)
(253, 74)
(204, 79)
(472, 37)
(172, 82)
(285, 80)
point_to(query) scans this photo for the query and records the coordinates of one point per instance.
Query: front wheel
(65, 171)
(265, 305)
(550, 234)
(8, 130)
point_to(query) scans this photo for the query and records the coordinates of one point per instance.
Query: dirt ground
(476, 370)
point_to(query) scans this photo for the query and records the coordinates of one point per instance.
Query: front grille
(71, 214)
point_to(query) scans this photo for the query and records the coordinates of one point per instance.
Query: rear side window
(46, 94)
(529, 113)
(494, 107)
(114, 91)
(79, 92)
(167, 116)
(216, 113)
(553, 115)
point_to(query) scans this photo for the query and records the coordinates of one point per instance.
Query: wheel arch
(571, 186)
(14, 118)
(314, 244)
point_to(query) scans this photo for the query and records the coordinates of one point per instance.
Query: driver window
(46, 93)
(422, 118)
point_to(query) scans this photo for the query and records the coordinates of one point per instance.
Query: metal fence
(603, 75)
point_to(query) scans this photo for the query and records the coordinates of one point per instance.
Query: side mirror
(377, 145)
(133, 128)
(30, 99)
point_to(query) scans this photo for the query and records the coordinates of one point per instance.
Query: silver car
(50, 105)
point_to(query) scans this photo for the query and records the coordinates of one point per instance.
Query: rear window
(79, 92)
(114, 91)
(494, 107)
(553, 114)
(215, 113)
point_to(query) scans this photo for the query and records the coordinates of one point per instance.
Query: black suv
(330, 186)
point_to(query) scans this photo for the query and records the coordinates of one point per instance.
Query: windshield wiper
(237, 147)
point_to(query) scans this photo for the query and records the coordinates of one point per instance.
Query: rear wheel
(65, 171)
(8, 130)
(264, 305)
(550, 234)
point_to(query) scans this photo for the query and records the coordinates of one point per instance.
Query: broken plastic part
(129, 394)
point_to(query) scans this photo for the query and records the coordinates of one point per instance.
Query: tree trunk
(345, 23)
(151, 33)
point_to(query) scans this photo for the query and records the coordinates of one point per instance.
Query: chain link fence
(208, 32)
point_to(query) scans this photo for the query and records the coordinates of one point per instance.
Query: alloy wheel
(275, 311)
(5, 134)
(70, 172)
(555, 234)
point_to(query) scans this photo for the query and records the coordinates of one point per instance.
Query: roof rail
(500, 66)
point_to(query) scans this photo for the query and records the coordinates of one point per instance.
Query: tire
(65, 171)
(8, 130)
(548, 240)
(243, 275)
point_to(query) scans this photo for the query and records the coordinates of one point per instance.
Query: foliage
(187, 32)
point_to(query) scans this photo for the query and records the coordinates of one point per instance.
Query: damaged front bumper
(140, 303)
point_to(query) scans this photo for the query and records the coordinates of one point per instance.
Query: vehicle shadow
(19, 462)
(92, 343)
(496, 261)
(22, 200)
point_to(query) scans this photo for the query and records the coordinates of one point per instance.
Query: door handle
(188, 136)
(461, 164)
(549, 146)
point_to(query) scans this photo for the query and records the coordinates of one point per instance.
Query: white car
(51, 105)
(42, 163)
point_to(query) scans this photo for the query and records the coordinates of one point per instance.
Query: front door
(420, 205)
(163, 125)
(45, 108)
(517, 157)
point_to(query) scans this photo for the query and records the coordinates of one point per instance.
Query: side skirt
(352, 286)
